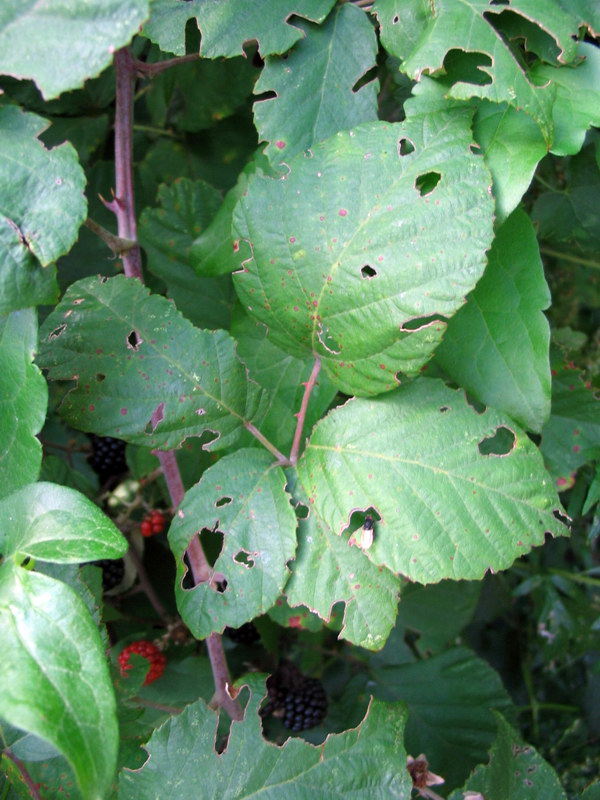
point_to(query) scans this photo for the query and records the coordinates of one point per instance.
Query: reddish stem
(33, 787)
(123, 204)
(308, 387)
(146, 585)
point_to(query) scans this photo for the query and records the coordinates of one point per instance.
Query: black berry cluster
(246, 634)
(113, 572)
(300, 701)
(108, 457)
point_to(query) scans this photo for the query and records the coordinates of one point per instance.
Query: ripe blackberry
(156, 659)
(108, 457)
(113, 572)
(305, 707)
(246, 634)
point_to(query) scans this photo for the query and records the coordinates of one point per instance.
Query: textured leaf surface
(226, 27)
(497, 345)
(23, 281)
(314, 85)
(143, 372)
(515, 771)
(41, 193)
(422, 36)
(242, 497)
(54, 523)
(23, 400)
(368, 761)
(55, 677)
(79, 39)
(353, 252)
(577, 104)
(447, 510)
(167, 234)
(328, 570)
(282, 377)
(449, 700)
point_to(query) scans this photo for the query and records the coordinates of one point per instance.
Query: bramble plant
(279, 509)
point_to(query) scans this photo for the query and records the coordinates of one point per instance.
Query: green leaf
(356, 252)
(41, 190)
(23, 401)
(368, 761)
(497, 345)
(571, 437)
(328, 570)
(577, 104)
(592, 792)
(23, 281)
(446, 509)
(282, 377)
(226, 27)
(54, 523)
(167, 234)
(55, 677)
(242, 497)
(515, 771)
(423, 37)
(449, 698)
(79, 39)
(143, 372)
(314, 86)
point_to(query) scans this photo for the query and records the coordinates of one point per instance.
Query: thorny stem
(308, 387)
(220, 670)
(33, 787)
(585, 262)
(123, 204)
(115, 243)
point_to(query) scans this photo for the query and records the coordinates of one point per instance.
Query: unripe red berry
(149, 651)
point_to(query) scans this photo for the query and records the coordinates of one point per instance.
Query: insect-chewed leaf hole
(475, 404)
(368, 271)
(405, 147)
(443, 409)
(369, 76)
(395, 19)
(561, 517)
(100, 376)
(500, 444)
(58, 331)
(134, 340)
(465, 66)
(426, 183)
(475, 149)
(223, 501)
(244, 558)
(302, 511)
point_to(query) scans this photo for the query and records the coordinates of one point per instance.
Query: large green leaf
(167, 234)
(497, 346)
(23, 400)
(515, 772)
(360, 245)
(423, 36)
(54, 523)
(23, 281)
(368, 761)
(449, 699)
(55, 677)
(243, 498)
(328, 570)
(41, 191)
(448, 508)
(314, 86)
(61, 43)
(226, 27)
(142, 371)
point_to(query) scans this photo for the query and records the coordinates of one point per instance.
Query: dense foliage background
(349, 382)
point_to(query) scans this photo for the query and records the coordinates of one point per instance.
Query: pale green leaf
(54, 523)
(446, 509)
(61, 43)
(314, 86)
(367, 761)
(41, 191)
(354, 254)
(515, 772)
(56, 682)
(142, 371)
(243, 498)
(497, 345)
(23, 400)
(226, 27)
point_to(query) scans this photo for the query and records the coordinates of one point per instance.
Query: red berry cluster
(156, 659)
(153, 523)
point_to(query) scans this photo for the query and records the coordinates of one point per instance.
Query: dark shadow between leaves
(500, 444)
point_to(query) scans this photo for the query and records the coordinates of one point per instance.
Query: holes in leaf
(395, 19)
(156, 418)
(223, 501)
(212, 544)
(58, 331)
(265, 96)
(100, 377)
(244, 558)
(134, 341)
(420, 322)
(561, 517)
(523, 37)
(426, 183)
(476, 405)
(475, 149)
(443, 409)
(302, 511)
(368, 271)
(369, 76)
(327, 340)
(467, 67)
(500, 444)
(405, 147)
